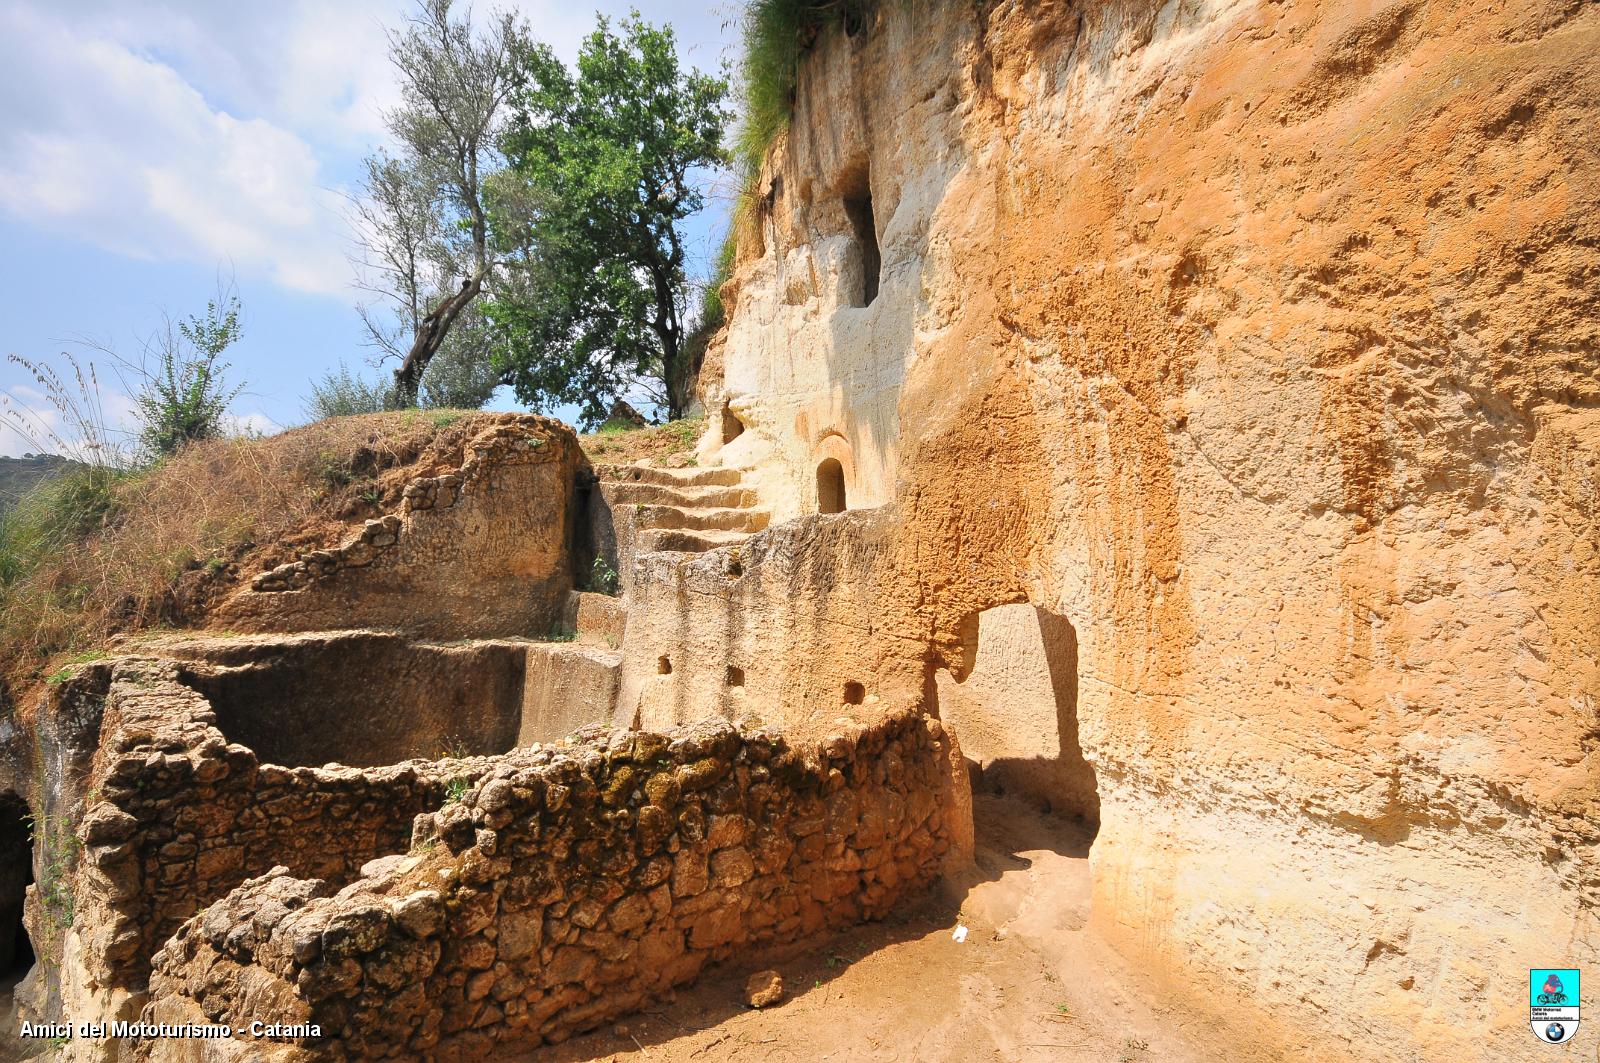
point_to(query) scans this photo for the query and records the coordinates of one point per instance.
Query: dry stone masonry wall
(181, 816)
(570, 886)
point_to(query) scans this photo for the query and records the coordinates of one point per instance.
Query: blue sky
(150, 147)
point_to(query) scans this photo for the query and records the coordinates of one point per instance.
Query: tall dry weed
(175, 535)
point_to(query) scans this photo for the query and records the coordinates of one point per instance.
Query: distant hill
(19, 475)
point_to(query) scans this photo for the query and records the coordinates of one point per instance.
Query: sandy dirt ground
(1029, 983)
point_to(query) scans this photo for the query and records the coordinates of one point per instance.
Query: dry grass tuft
(166, 542)
(671, 444)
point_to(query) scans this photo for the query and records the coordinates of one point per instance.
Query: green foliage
(461, 376)
(607, 155)
(70, 666)
(561, 633)
(602, 577)
(712, 312)
(776, 33)
(421, 215)
(343, 394)
(182, 397)
(57, 845)
(55, 516)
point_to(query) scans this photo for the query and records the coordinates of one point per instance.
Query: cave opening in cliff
(1015, 712)
(16, 874)
(858, 209)
(830, 486)
(732, 427)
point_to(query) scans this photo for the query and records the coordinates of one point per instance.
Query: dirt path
(1028, 983)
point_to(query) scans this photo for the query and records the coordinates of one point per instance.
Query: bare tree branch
(422, 217)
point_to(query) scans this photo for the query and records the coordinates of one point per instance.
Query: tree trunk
(430, 336)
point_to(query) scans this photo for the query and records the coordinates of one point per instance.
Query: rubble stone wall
(571, 886)
(178, 816)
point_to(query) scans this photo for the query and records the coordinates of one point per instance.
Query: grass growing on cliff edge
(667, 444)
(776, 34)
(102, 551)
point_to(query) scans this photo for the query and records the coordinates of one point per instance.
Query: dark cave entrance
(16, 875)
(858, 209)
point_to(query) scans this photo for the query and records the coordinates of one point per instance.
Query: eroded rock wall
(357, 698)
(570, 886)
(45, 774)
(1257, 342)
(478, 552)
(797, 611)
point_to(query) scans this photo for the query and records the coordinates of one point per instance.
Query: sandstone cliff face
(1257, 342)
(476, 551)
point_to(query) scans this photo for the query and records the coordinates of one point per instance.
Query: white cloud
(116, 148)
(254, 423)
(223, 134)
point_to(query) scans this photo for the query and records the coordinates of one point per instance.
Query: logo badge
(1553, 995)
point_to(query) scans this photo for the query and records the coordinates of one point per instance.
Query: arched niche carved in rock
(835, 469)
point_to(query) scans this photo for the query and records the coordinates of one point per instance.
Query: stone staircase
(682, 510)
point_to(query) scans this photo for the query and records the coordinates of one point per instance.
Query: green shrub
(56, 515)
(776, 33)
(182, 398)
(712, 312)
(54, 840)
(602, 577)
(343, 394)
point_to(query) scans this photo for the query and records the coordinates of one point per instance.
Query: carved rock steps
(684, 510)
